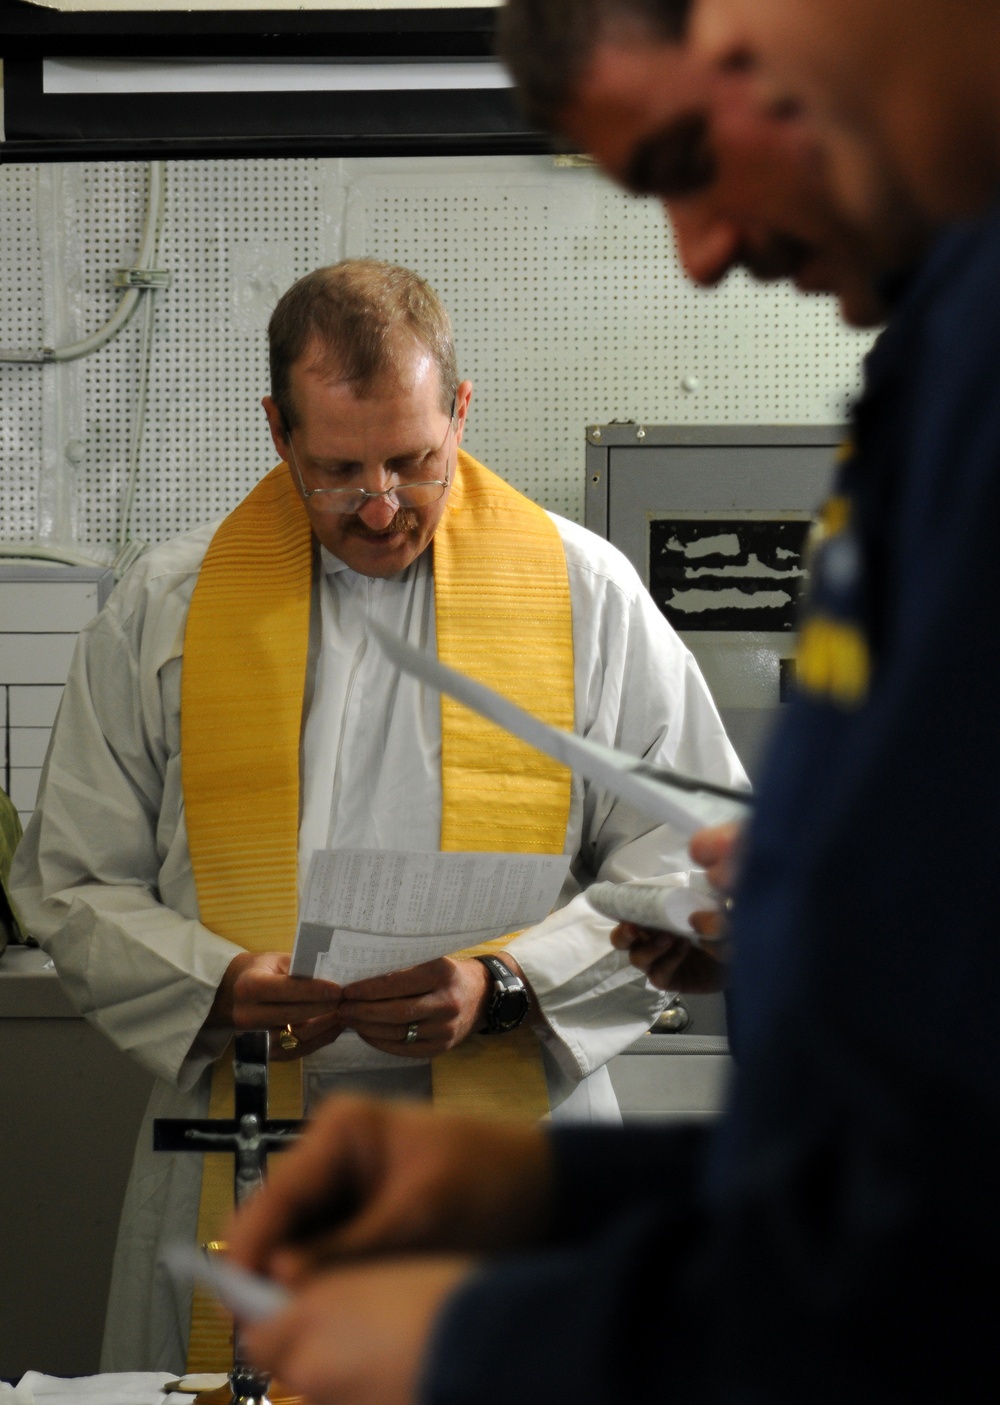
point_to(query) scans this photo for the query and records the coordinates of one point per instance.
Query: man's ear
(463, 399)
(276, 424)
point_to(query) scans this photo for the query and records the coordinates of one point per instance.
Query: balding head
(359, 321)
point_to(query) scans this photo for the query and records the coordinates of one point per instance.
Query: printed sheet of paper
(682, 801)
(367, 912)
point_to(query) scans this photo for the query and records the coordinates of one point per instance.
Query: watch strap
(501, 972)
(506, 984)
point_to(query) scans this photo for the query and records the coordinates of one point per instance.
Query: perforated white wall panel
(568, 302)
(20, 325)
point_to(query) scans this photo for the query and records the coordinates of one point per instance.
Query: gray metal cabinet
(716, 522)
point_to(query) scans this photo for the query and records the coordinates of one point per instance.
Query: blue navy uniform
(837, 1236)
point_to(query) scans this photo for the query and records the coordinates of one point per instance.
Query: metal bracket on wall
(143, 278)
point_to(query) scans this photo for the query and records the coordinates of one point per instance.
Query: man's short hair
(547, 44)
(362, 316)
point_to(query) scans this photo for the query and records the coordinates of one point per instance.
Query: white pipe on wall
(130, 299)
(146, 255)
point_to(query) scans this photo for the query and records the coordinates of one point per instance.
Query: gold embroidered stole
(242, 680)
(503, 615)
(501, 599)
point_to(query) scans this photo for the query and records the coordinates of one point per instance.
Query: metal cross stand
(248, 1136)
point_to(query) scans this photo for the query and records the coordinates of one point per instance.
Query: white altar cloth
(121, 1388)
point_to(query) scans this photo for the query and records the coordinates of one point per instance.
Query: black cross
(249, 1134)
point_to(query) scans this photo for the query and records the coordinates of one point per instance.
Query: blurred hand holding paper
(367, 912)
(246, 1295)
(661, 905)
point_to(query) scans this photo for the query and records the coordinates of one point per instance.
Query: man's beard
(405, 520)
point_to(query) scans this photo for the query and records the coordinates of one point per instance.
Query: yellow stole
(504, 616)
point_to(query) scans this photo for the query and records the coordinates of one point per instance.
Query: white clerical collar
(332, 565)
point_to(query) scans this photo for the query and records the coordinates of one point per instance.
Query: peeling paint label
(729, 573)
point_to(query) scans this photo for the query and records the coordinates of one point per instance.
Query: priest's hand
(369, 1177)
(257, 992)
(668, 961)
(359, 1335)
(421, 1011)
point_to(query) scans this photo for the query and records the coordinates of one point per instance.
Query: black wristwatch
(509, 1001)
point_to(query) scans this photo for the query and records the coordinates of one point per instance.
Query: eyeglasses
(342, 501)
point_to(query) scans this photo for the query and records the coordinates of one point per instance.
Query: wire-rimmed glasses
(343, 501)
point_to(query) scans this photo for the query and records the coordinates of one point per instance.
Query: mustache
(405, 520)
(781, 257)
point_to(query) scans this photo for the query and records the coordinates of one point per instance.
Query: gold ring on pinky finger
(288, 1039)
(411, 1034)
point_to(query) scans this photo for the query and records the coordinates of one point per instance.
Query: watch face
(509, 1009)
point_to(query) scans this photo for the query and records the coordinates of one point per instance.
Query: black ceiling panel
(448, 120)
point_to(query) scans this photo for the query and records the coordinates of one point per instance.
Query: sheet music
(366, 912)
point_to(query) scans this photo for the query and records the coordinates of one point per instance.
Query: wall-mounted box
(42, 610)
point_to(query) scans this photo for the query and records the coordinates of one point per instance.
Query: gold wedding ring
(288, 1039)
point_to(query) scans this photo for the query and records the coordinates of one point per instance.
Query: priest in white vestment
(105, 878)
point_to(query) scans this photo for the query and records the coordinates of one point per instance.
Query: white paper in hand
(247, 1296)
(662, 906)
(648, 789)
(366, 912)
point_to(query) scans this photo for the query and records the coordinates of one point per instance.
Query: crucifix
(248, 1136)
